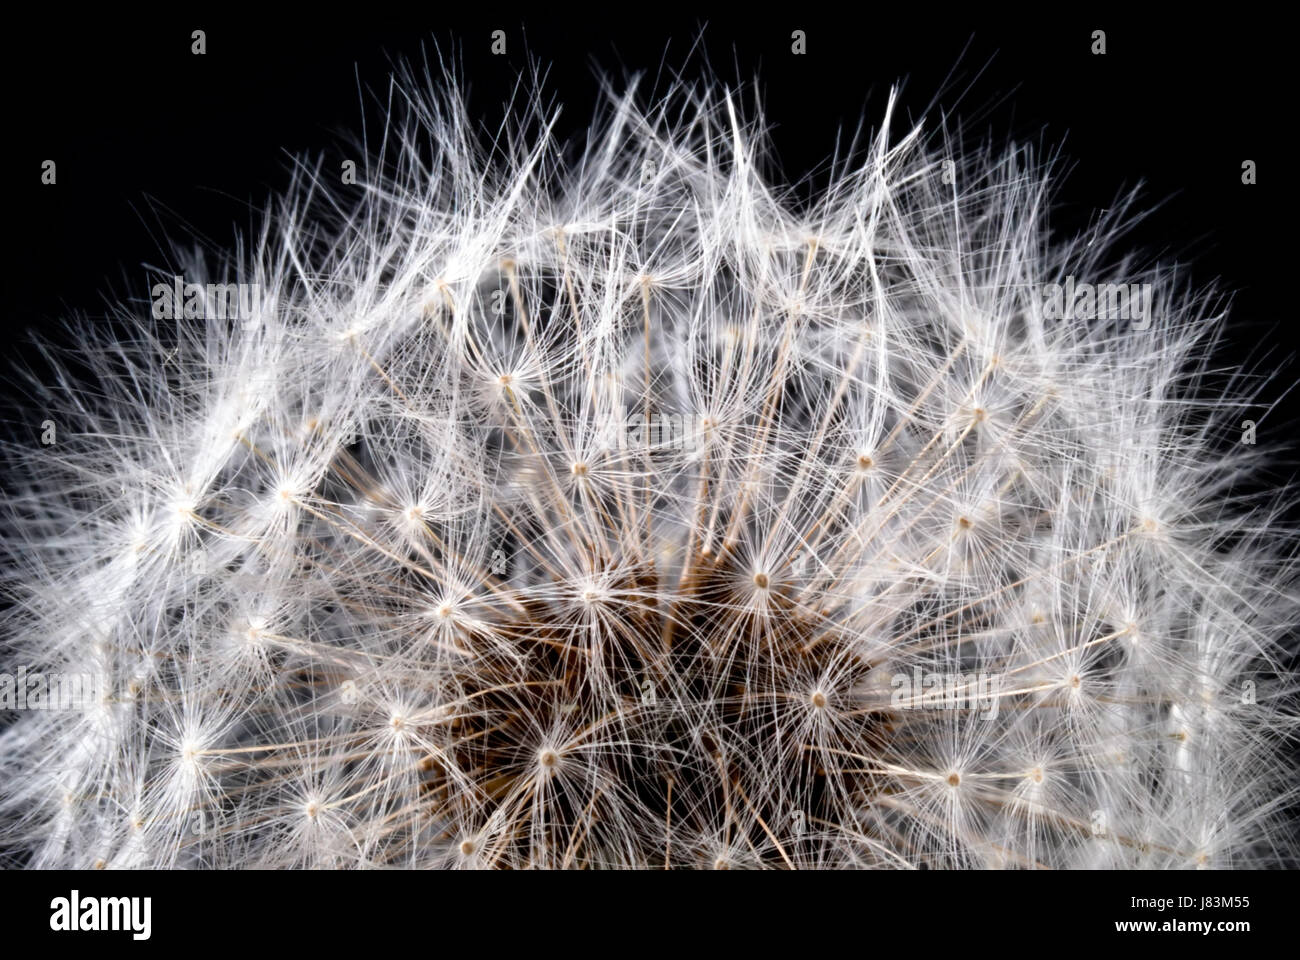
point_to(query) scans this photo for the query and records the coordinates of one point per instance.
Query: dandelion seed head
(564, 512)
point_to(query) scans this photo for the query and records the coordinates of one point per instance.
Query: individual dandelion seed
(610, 511)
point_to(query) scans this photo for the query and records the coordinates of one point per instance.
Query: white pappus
(602, 505)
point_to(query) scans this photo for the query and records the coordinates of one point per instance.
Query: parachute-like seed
(610, 509)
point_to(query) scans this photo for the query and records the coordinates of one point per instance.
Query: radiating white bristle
(613, 511)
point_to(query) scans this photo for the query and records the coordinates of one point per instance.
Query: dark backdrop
(152, 141)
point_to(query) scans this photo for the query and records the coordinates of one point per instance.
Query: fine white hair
(601, 505)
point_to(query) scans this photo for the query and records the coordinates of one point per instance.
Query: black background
(152, 141)
(653, 913)
(157, 146)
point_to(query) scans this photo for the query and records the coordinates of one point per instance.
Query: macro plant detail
(606, 505)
